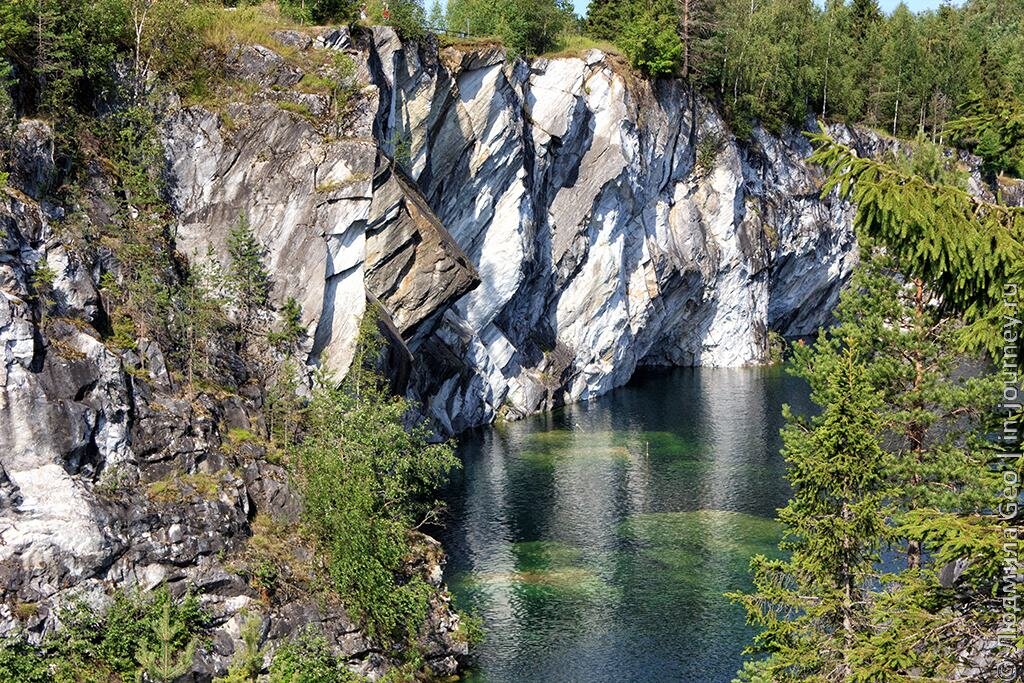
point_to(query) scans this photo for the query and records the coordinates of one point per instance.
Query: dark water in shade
(596, 542)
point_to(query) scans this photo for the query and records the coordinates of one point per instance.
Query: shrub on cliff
(524, 27)
(367, 479)
(138, 632)
(307, 658)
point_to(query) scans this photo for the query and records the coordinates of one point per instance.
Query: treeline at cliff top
(773, 61)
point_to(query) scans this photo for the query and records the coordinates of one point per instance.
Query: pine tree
(606, 18)
(811, 607)
(933, 413)
(166, 661)
(283, 404)
(865, 14)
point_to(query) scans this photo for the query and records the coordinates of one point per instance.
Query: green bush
(525, 27)
(20, 661)
(366, 480)
(652, 44)
(307, 658)
(248, 662)
(110, 647)
(407, 17)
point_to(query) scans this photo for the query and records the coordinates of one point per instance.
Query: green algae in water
(597, 543)
(543, 569)
(703, 548)
(549, 447)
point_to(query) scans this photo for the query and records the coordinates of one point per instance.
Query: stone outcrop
(111, 476)
(530, 234)
(546, 229)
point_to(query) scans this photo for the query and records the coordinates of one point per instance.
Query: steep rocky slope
(112, 476)
(609, 222)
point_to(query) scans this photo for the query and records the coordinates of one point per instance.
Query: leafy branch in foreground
(966, 249)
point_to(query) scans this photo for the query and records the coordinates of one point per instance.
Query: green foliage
(605, 19)
(248, 662)
(168, 659)
(141, 289)
(290, 330)
(401, 149)
(437, 19)
(930, 161)
(345, 86)
(708, 148)
(652, 43)
(924, 427)
(779, 61)
(810, 607)
(366, 480)
(471, 629)
(407, 17)
(994, 130)
(284, 408)
(114, 646)
(20, 661)
(43, 278)
(198, 314)
(307, 658)
(247, 279)
(525, 27)
(333, 11)
(966, 249)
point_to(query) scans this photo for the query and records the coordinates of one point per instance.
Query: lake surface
(596, 542)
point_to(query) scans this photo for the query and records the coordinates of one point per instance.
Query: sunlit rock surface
(554, 224)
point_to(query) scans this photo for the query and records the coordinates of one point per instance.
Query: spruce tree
(811, 607)
(946, 255)
(247, 279)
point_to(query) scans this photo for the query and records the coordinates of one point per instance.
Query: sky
(887, 5)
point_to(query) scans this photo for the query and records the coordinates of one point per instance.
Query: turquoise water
(596, 542)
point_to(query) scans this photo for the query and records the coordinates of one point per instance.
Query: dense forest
(898, 533)
(780, 61)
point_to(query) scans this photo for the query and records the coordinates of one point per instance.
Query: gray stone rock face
(110, 476)
(553, 225)
(530, 234)
(613, 224)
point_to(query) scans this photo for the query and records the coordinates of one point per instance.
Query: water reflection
(596, 542)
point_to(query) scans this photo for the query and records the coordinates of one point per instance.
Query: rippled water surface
(596, 542)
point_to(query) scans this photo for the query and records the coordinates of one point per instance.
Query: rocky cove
(531, 233)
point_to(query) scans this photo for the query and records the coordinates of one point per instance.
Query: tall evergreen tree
(811, 607)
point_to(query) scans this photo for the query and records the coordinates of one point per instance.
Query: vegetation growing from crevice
(138, 634)
(367, 480)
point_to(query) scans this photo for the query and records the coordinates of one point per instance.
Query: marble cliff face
(547, 227)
